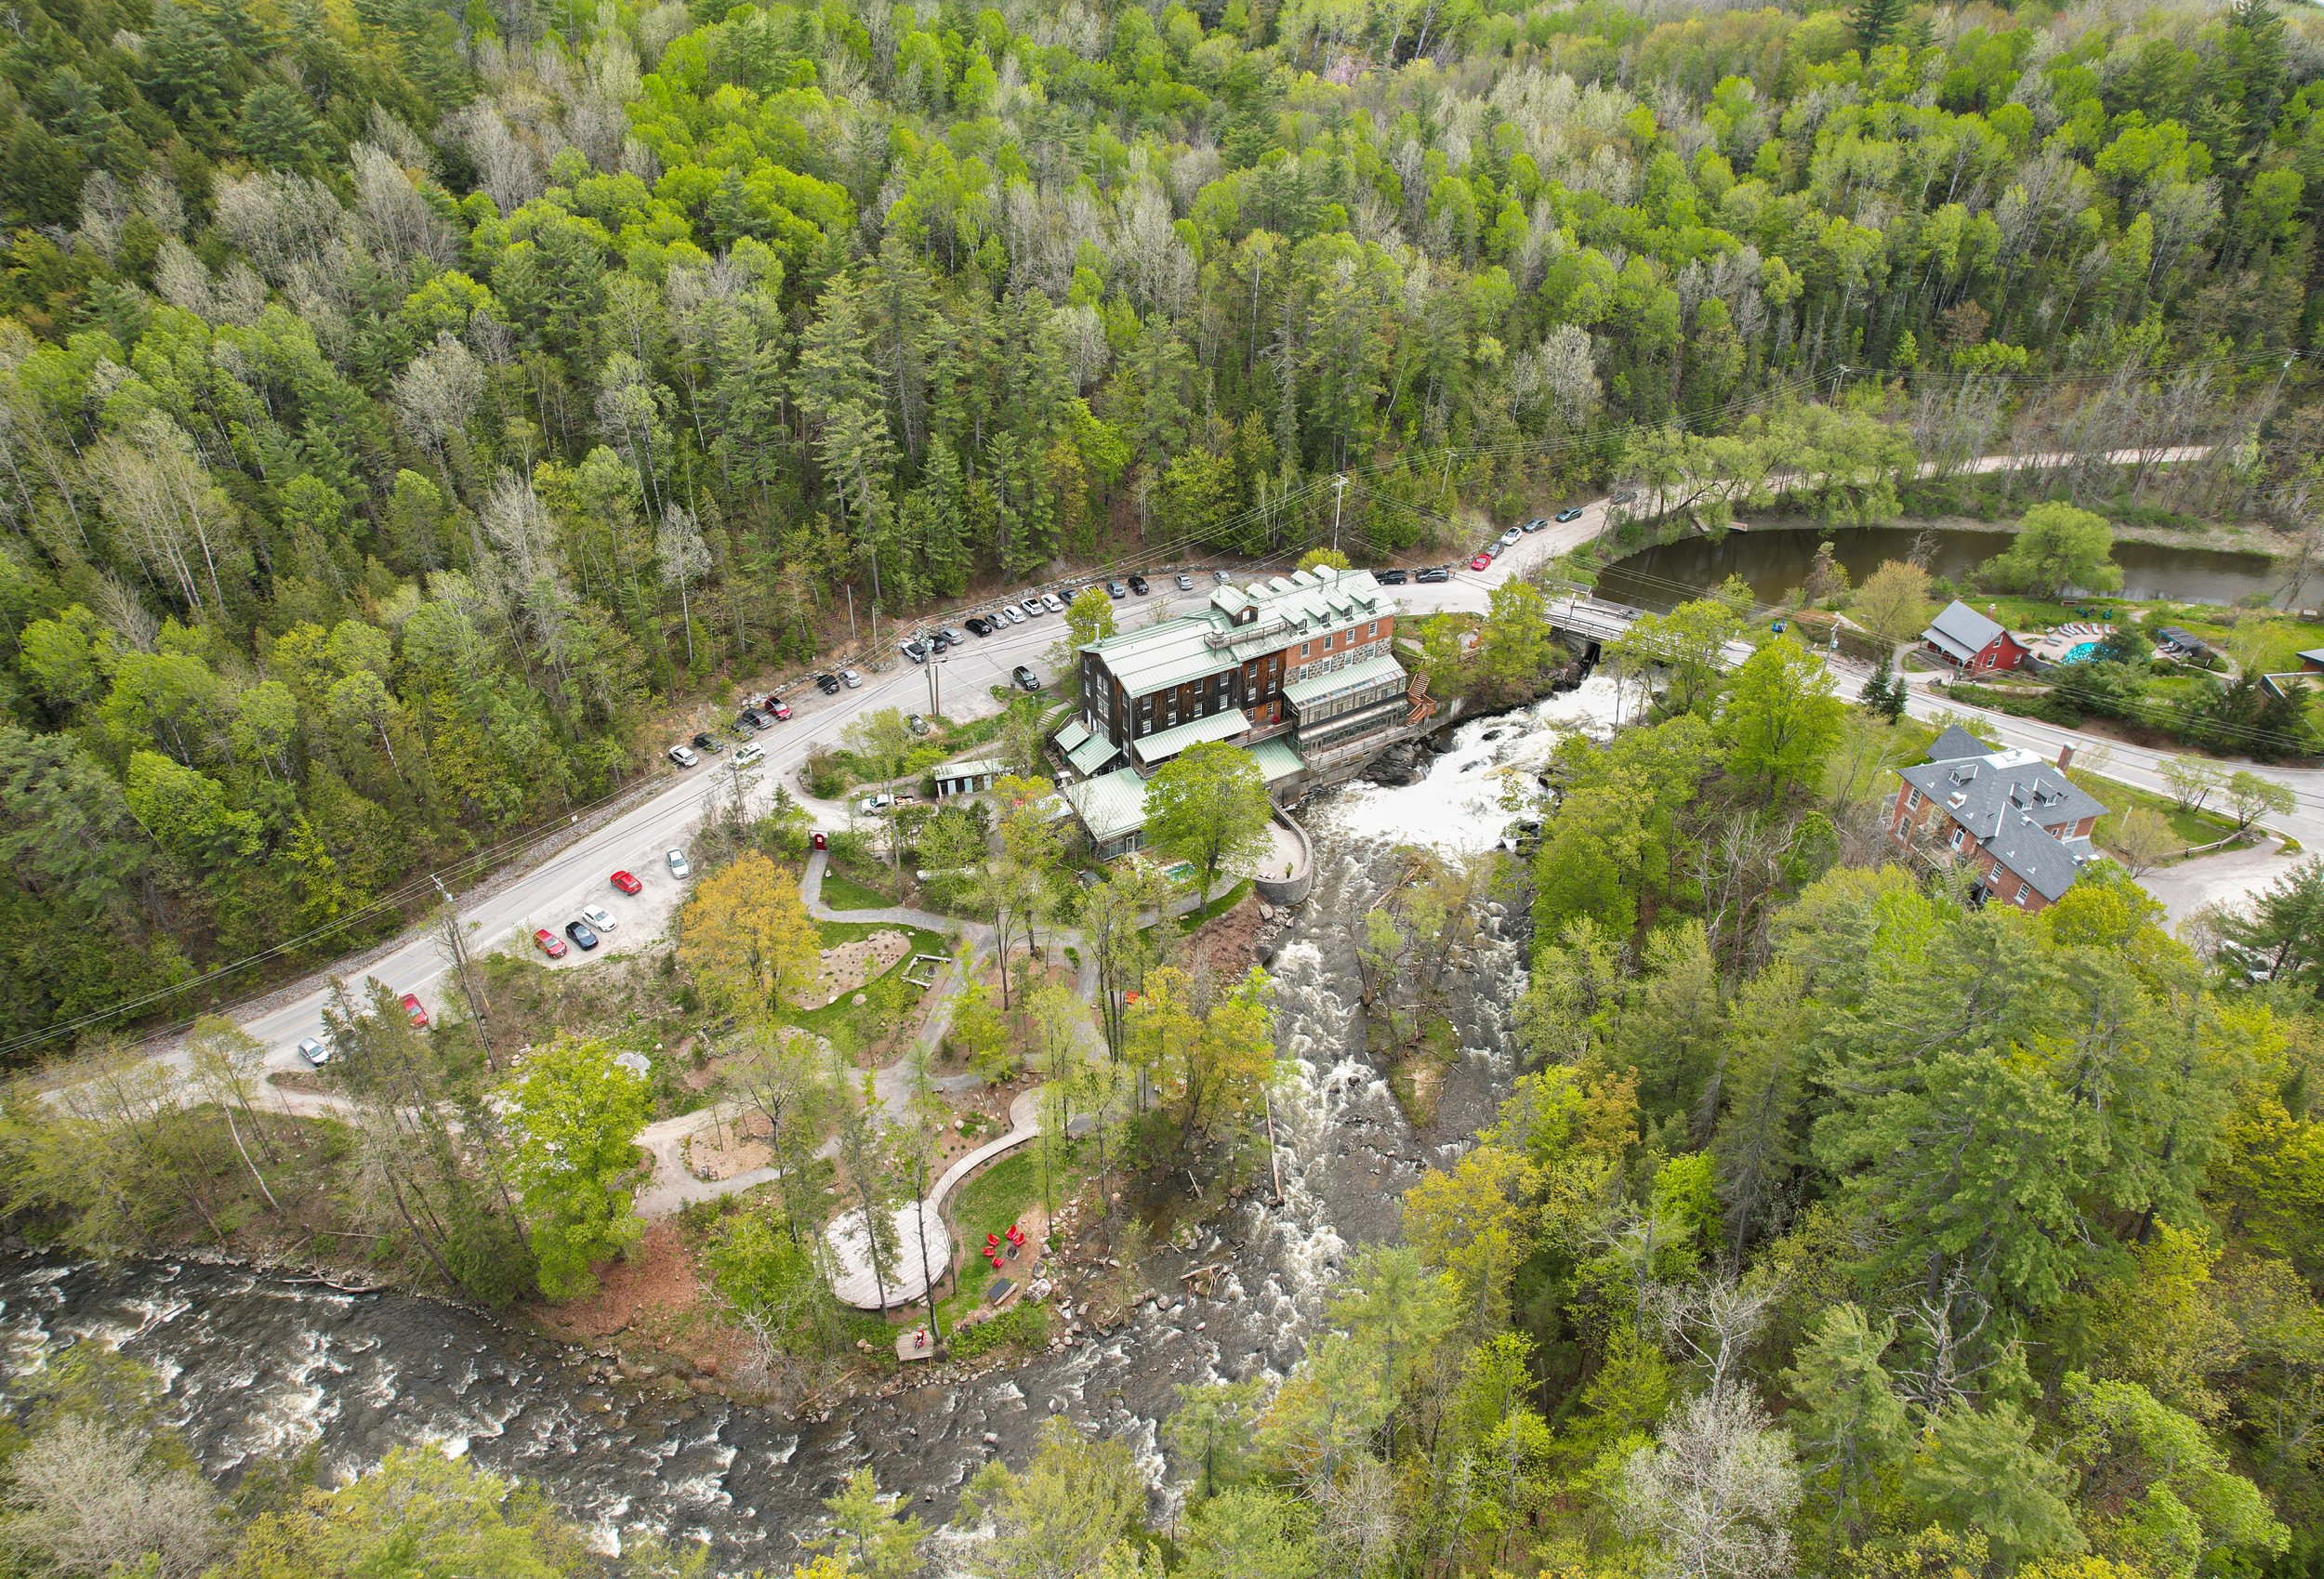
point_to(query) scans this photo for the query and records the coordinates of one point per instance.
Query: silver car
(1013, 614)
(678, 867)
(316, 1053)
(600, 918)
(1050, 602)
(849, 679)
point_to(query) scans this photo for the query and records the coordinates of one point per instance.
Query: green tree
(1208, 805)
(866, 1535)
(1780, 720)
(2059, 548)
(1075, 1499)
(1982, 1472)
(575, 1114)
(1089, 617)
(745, 936)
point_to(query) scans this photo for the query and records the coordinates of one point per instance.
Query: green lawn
(843, 892)
(1217, 907)
(2191, 827)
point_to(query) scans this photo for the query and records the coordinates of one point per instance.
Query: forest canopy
(399, 404)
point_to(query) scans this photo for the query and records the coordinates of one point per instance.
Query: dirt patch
(860, 960)
(731, 1146)
(1229, 943)
(649, 1294)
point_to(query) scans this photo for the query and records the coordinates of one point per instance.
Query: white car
(600, 918)
(1050, 602)
(749, 757)
(1013, 614)
(683, 756)
(1030, 604)
(1509, 538)
(875, 804)
(849, 679)
(317, 1053)
(678, 867)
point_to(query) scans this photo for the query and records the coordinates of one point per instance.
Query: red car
(550, 944)
(780, 708)
(627, 883)
(1480, 561)
(418, 1014)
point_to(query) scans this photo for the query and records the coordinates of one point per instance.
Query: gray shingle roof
(1961, 631)
(1209, 641)
(2047, 862)
(1957, 742)
(1989, 793)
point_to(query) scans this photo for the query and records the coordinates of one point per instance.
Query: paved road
(554, 891)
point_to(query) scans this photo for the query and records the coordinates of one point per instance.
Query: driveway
(2230, 878)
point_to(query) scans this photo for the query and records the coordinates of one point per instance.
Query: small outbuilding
(971, 775)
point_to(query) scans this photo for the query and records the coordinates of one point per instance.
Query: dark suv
(1434, 573)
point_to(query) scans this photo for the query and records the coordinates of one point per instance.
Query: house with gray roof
(1971, 642)
(2018, 820)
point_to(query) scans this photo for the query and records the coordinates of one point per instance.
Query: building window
(2024, 897)
(1303, 647)
(1959, 833)
(1912, 800)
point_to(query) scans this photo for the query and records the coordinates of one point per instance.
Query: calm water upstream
(258, 1363)
(1776, 561)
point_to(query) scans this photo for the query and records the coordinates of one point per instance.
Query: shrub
(1023, 1324)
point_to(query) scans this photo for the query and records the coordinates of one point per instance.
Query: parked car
(779, 707)
(916, 724)
(937, 641)
(600, 918)
(709, 742)
(749, 757)
(1052, 602)
(951, 636)
(751, 719)
(1030, 604)
(549, 942)
(582, 937)
(1138, 584)
(873, 805)
(1536, 524)
(1480, 561)
(851, 679)
(1013, 614)
(1509, 538)
(915, 649)
(1116, 591)
(827, 684)
(1433, 574)
(1027, 679)
(1186, 582)
(414, 1012)
(1571, 512)
(626, 882)
(316, 1053)
(683, 756)
(1390, 578)
(979, 625)
(678, 867)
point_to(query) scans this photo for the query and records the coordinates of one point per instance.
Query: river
(258, 1363)
(1776, 561)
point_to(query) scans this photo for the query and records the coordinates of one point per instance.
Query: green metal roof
(1094, 751)
(1110, 805)
(1339, 682)
(1071, 735)
(1277, 760)
(1223, 724)
(969, 768)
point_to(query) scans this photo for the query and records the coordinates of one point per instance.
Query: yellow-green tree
(575, 1114)
(746, 938)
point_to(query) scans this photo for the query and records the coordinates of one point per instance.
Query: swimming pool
(2081, 653)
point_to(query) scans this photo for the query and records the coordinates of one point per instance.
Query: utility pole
(1340, 483)
(457, 938)
(851, 614)
(932, 661)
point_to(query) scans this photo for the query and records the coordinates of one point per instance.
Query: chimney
(2065, 758)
